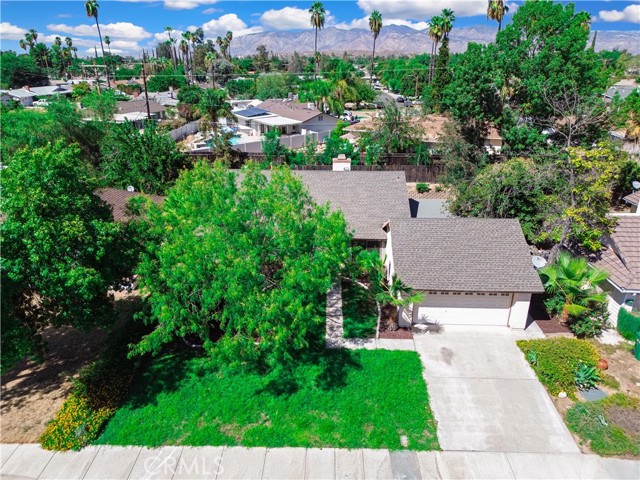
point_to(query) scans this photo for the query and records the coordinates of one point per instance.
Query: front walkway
(29, 461)
(484, 395)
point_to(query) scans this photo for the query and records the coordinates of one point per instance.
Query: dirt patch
(626, 418)
(623, 366)
(388, 327)
(443, 194)
(32, 392)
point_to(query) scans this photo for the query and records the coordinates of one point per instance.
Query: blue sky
(136, 24)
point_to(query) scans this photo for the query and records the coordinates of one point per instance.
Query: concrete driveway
(485, 396)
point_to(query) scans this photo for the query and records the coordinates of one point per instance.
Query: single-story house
(25, 97)
(471, 271)
(621, 260)
(287, 116)
(432, 127)
(137, 109)
(118, 201)
(623, 89)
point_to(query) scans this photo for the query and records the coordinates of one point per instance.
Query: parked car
(40, 103)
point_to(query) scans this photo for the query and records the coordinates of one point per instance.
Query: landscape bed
(349, 399)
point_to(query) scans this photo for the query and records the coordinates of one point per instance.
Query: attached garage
(470, 271)
(468, 308)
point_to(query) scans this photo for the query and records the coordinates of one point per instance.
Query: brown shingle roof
(118, 199)
(463, 254)
(367, 199)
(139, 106)
(292, 110)
(622, 258)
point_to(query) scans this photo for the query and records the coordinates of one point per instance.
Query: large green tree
(149, 161)
(61, 250)
(242, 267)
(543, 53)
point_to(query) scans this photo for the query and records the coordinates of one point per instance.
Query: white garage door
(464, 309)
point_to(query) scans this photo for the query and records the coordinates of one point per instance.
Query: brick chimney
(136, 93)
(341, 163)
(26, 87)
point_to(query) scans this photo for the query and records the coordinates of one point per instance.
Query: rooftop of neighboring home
(432, 127)
(623, 88)
(621, 259)
(133, 106)
(300, 112)
(47, 91)
(463, 254)
(633, 198)
(118, 201)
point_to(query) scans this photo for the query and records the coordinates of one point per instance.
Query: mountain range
(396, 40)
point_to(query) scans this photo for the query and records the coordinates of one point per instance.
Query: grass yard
(610, 426)
(348, 399)
(359, 311)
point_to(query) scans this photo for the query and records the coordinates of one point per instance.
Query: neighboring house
(432, 127)
(472, 271)
(623, 89)
(287, 116)
(134, 110)
(118, 201)
(22, 95)
(50, 91)
(621, 260)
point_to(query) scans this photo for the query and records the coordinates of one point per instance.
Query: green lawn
(347, 399)
(359, 311)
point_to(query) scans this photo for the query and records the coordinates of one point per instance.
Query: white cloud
(291, 18)
(164, 36)
(186, 4)
(629, 14)
(77, 42)
(364, 23)
(211, 11)
(116, 30)
(421, 9)
(230, 21)
(11, 32)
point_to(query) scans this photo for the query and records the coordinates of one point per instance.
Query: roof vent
(311, 106)
(131, 189)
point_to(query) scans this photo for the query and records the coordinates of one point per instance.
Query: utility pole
(144, 81)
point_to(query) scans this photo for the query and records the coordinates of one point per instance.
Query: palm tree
(496, 10)
(107, 40)
(448, 17)
(57, 42)
(435, 33)
(91, 7)
(34, 36)
(210, 60)
(575, 281)
(375, 25)
(213, 106)
(317, 12)
(184, 49)
(23, 45)
(172, 48)
(228, 37)
(68, 41)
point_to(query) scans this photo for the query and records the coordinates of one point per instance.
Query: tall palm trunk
(102, 47)
(499, 24)
(315, 55)
(373, 56)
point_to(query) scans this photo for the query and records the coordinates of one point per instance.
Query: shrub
(423, 187)
(590, 323)
(557, 361)
(628, 324)
(586, 377)
(439, 188)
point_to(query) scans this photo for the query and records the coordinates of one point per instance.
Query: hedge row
(555, 361)
(628, 324)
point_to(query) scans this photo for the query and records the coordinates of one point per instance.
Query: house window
(444, 293)
(480, 294)
(433, 293)
(504, 294)
(493, 294)
(468, 293)
(319, 118)
(457, 293)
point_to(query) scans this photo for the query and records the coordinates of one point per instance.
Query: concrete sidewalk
(29, 461)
